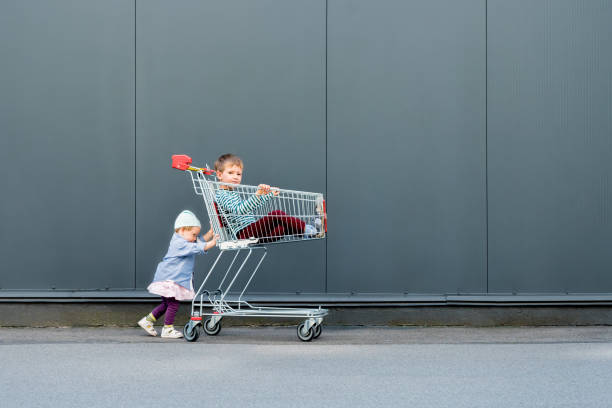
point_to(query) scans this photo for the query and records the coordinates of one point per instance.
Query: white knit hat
(186, 219)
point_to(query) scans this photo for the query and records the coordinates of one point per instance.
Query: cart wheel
(304, 335)
(210, 329)
(317, 331)
(191, 332)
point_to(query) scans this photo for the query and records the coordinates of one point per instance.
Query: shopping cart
(280, 208)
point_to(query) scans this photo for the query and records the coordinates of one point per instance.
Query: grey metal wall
(406, 146)
(550, 145)
(67, 144)
(463, 145)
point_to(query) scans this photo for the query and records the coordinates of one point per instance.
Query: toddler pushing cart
(280, 216)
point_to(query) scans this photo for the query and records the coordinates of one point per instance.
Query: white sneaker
(147, 326)
(320, 206)
(170, 333)
(310, 230)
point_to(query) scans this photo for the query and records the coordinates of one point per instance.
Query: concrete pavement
(345, 367)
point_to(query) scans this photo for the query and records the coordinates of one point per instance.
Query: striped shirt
(239, 213)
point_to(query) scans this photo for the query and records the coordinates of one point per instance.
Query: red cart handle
(182, 162)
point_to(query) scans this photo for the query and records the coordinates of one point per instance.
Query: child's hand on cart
(211, 243)
(209, 234)
(264, 189)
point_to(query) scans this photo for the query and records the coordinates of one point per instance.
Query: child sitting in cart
(173, 279)
(240, 214)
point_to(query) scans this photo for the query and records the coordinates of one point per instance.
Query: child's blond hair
(184, 228)
(226, 159)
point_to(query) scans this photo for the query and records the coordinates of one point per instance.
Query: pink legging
(272, 227)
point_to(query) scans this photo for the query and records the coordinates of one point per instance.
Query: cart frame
(209, 307)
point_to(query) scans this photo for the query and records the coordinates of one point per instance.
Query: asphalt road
(345, 367)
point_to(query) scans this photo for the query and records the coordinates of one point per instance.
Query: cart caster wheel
(317, 331)
(191, 332)
(210, 329)
(304, 335)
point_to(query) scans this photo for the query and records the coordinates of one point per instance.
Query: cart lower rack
(280, 216)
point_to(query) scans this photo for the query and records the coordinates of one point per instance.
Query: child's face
(231, 174)
(190, 235)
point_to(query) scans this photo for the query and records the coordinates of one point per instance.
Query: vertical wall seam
(487, 142)
(135, 127)
(326, 246)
